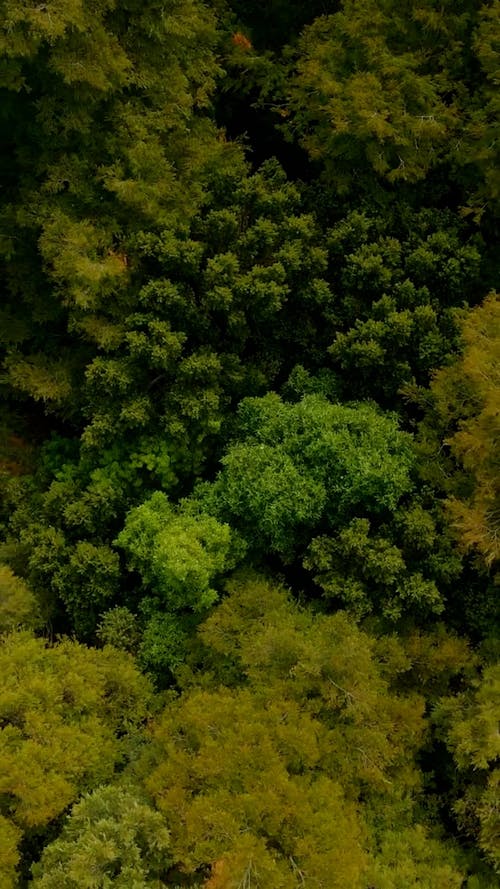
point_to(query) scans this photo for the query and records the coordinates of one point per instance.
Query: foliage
(469, 722)
(10, 836)
(357, 568)
(119, 628)
(179, 554)
(463, 410)
(384, 93)
(365, 95)
(239, 244)
(212, 318)
(176, 554)
(263, 776)
(68, 716)
(111, 838)
(398, 278)
(298, 464)
(18, 605)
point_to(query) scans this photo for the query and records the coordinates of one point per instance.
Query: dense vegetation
(250, 444)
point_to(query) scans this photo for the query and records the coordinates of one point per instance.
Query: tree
(18, 605)
(328, 484)
(180, 553)
(469, 724)
(298, 465)
(475, 444)
(177, 554)
(481, 142)
(368, 572)
(111, 838)
(400, 277)
(208, 318)
(104, 106)
(462, 413)
(368, 95)
(69, 716)
(10, 836)
(236, 766)
(412, 857)
(95, 162)
(270, 777)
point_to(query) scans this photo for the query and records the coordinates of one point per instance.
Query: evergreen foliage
(263, 774)
(111, 838)
(69, 717)
(249, 444)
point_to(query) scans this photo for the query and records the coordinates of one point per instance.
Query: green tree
(180, 554)
(399, 276)
(329, 484)
(101, 103)
(176, 553)
(108, 136)
(218, 307)
(111, 838)
(298, 465)
(369, 572)
(208, 319)
(413, 858)
(368, 94)
(384, 96)
(119, 628)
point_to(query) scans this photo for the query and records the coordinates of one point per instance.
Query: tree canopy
(249, 444)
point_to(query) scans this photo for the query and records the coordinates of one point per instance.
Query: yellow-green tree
(469, 725)
(464, 412)
(368, 90)
(288, 759)
(68, 715)
(18, 605)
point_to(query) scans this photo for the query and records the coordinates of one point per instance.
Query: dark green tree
(399, 278)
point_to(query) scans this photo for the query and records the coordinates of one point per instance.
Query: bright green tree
(180, 554)
(296, 466)
(176, 553)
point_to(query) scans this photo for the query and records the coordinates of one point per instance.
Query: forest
(250, 444)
